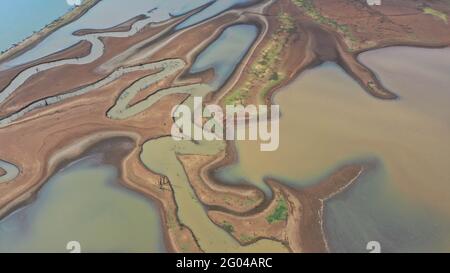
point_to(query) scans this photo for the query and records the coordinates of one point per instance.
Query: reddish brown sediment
(43, 84)
(37, 37)
(50, 129)
(122, 27)
(313, 43)
(61, 132)
(2, 171)
(179, 46)
(50, 118)
(251, 228)
(176, 43)
(178, 237)
(364, 76)
(309, 230)
(394, 23)
(309, 45)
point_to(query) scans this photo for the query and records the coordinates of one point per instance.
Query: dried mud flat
(40, 141)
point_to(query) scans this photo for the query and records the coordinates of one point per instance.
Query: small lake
(84, 202)
(160, 156)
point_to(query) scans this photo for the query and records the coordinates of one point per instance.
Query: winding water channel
(327, 121)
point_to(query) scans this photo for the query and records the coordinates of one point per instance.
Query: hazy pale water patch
(20, 18)
(84, 202)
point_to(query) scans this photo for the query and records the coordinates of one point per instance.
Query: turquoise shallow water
(19, 18)
(84, 202)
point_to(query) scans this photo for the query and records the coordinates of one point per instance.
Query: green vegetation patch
(438, 14)
(280, 213)
(227, 227)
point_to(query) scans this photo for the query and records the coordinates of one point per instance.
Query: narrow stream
(159, 155)
(328, 120)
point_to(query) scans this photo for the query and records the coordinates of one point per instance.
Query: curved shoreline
(80, 149)
(26, 195)
(93, 144)
(120, 72)
(95, 42)
(97, 50)
(206, 176)
(34, 39)
(9, 89)
(312, 198)
(345, 58)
